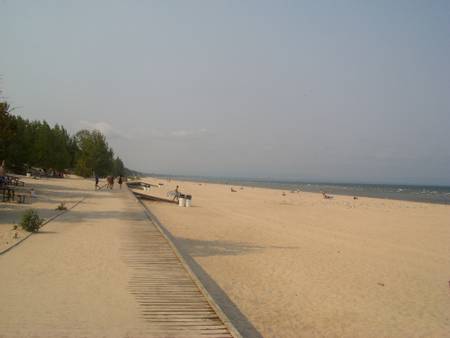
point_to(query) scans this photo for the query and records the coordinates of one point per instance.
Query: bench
(21, 197)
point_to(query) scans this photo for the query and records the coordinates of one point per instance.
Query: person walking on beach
(120, 181)
(110, 181)
(96, 182)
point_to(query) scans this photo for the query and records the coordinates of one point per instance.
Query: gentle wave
(428, 194)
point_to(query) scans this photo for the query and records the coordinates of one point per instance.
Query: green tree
(43, 145)
(20, 149)
(8, 131)
(25, 143)
(118, 167)
(94, 154)
(60, 147)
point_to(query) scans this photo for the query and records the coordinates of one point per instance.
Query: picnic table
(8, 193)
(13, 193)
(14, 180)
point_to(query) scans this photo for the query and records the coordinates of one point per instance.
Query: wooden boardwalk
(103, 269)
(171, 298)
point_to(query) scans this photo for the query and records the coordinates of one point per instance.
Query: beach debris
(61, 206)
(325, 196)
(355, 197)
(232, 190)
(380, 284)
(283, 194)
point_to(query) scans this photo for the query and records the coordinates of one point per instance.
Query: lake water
(429, 194)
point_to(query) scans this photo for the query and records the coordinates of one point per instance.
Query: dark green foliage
(94, 155)
(118, 167)
(31, 221)
(8, 130)
(25, 144)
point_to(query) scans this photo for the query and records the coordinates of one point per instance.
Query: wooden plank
(170, 300)
(153, 198)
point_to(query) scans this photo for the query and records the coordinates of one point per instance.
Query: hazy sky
(330, 91)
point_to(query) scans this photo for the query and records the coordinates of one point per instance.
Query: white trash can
(182, 202)
(188, 201)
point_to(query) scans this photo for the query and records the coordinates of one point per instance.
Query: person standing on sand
(120, 181)
(96, 182)
(176, 194)
(110, 181)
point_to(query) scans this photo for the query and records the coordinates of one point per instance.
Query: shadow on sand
(197, 248)
(43, 232)
(207, 248)
(77, 215)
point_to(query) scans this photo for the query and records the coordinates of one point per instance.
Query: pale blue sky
(334, 91)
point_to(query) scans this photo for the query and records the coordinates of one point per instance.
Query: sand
(49, 194)
(279, 266)
(69, 279)
(301, 266)
(95, 271)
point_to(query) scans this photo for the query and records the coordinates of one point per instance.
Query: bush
(62, 206)
(31, 221)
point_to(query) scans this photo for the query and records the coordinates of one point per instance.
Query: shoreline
(277, 265)
(288, 189)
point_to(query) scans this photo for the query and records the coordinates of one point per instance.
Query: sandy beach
(310, 139)
(301, 266)
(280, 264)
(92, 271)
(49, 194)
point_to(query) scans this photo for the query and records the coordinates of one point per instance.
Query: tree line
(26, 144)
